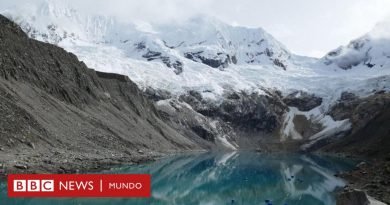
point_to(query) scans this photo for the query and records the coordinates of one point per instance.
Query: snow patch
(225, 143)
(374, 201)
(330, 126)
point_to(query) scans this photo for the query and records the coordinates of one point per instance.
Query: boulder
(302, 100)
(352, 197)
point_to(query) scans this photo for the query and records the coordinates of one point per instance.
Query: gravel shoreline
(373, 177)
(69, 163)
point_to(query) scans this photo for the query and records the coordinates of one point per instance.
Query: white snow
(224, 142)
(288, 125)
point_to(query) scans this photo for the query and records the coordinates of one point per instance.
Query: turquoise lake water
(235, 178)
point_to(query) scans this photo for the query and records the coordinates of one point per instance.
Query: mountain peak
(200, 39)
(372, 50)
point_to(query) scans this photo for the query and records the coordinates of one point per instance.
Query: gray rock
(20, 166)
(302, 100)
(2, 169)
(244, 111)
(32, 145)
(347, 96)
(352, 197)
(157, 94)
(153, 55)
(361, 165)
(279, 63)
(220, 60)
(359, 110)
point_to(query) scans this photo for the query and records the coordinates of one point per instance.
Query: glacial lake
(235, 178)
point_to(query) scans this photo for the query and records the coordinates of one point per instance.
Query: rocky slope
(370, 117)
(240, 121)
(57, 114)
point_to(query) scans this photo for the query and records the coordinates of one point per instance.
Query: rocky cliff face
(241, 120)
(57, 112)
(370, 117)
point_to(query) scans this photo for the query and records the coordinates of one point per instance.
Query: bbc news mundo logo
(79, 185)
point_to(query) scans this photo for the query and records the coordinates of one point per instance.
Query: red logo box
(79, 185)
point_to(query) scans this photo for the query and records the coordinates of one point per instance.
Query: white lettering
(129, 185)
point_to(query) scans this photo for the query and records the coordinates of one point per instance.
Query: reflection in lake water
(229, 178)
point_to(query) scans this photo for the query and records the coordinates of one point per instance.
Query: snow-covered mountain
(226, 69)
(196, 50)
(370, 51)
(201, 39)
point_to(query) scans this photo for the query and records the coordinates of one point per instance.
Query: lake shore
(373, 177)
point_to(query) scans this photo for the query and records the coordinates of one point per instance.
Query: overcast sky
(307, 27)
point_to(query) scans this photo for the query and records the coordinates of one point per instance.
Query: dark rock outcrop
(221, 60)
(153, 55)
(279, 63)
(157, 94)
(240, 118)
(252, 112)
(202, 129)
(302, 100)
(352, 197)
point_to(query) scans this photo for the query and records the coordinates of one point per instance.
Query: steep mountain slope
(58, 113)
